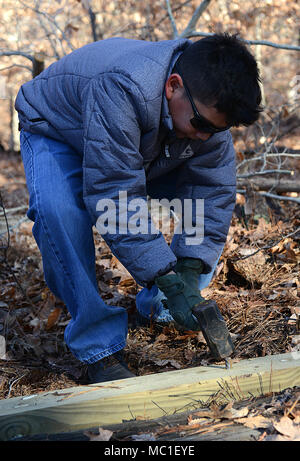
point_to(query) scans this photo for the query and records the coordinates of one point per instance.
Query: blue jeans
(63, 232)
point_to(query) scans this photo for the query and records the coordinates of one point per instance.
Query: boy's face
(181, 111)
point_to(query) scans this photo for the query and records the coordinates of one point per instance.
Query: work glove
(189, 270)
(207, 313)
(181, 299)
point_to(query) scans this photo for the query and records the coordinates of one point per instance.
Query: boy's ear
(173, 84)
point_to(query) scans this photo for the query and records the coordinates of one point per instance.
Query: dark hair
(220, 71)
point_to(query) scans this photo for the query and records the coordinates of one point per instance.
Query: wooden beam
(145, 397)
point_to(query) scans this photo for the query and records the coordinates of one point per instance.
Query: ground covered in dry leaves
(256, 286)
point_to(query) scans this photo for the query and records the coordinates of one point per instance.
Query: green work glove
(189, 270)
(181, 299)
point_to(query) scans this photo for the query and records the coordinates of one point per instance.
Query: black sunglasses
(199, 122)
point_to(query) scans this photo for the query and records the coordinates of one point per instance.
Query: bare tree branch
(16, 65)
(190, 32)
(173, 23)
(174, 10)
(93, 24)
(86, 5)
(194, 19)
(17, 53)
(48, 35)
(260, 157)
(249, 42)
(37, 61)
(52, 22)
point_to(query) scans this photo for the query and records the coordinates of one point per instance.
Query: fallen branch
(267, 247)
(274, 196)
(6, 247)
(257, 173)
(280, 197)
(265, 184)
(16, 225)
(11, 210)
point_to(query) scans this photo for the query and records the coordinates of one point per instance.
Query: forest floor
(258, 296)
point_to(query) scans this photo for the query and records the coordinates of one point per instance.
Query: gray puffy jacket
(107, 101)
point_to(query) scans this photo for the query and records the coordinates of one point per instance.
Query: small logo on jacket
(188, 152)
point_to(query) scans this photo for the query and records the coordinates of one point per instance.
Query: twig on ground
(267, 247)
(7, 228)
(14, 382)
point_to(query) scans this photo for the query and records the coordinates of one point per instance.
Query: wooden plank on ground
(159, 428)
(145, 397)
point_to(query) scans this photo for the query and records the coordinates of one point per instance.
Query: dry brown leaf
(234, 413)
(296, 340)
(103, 436)
(144, 437)
(230, 413)
(291, 255)
(203, 414)
(26, 228)
(231, 246)
(198, 421)
(262, 230)
(2, 348)
(53, 318)
(254, 269)
(127, 282)
(188, 334)
(255, 422)
(295, 310)
(276, 438)
(287, 428)
(34, 290)
(161, 337)
(48, 304)
(172, 362)
(189, 355)
(297, 419)
(105, 262)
